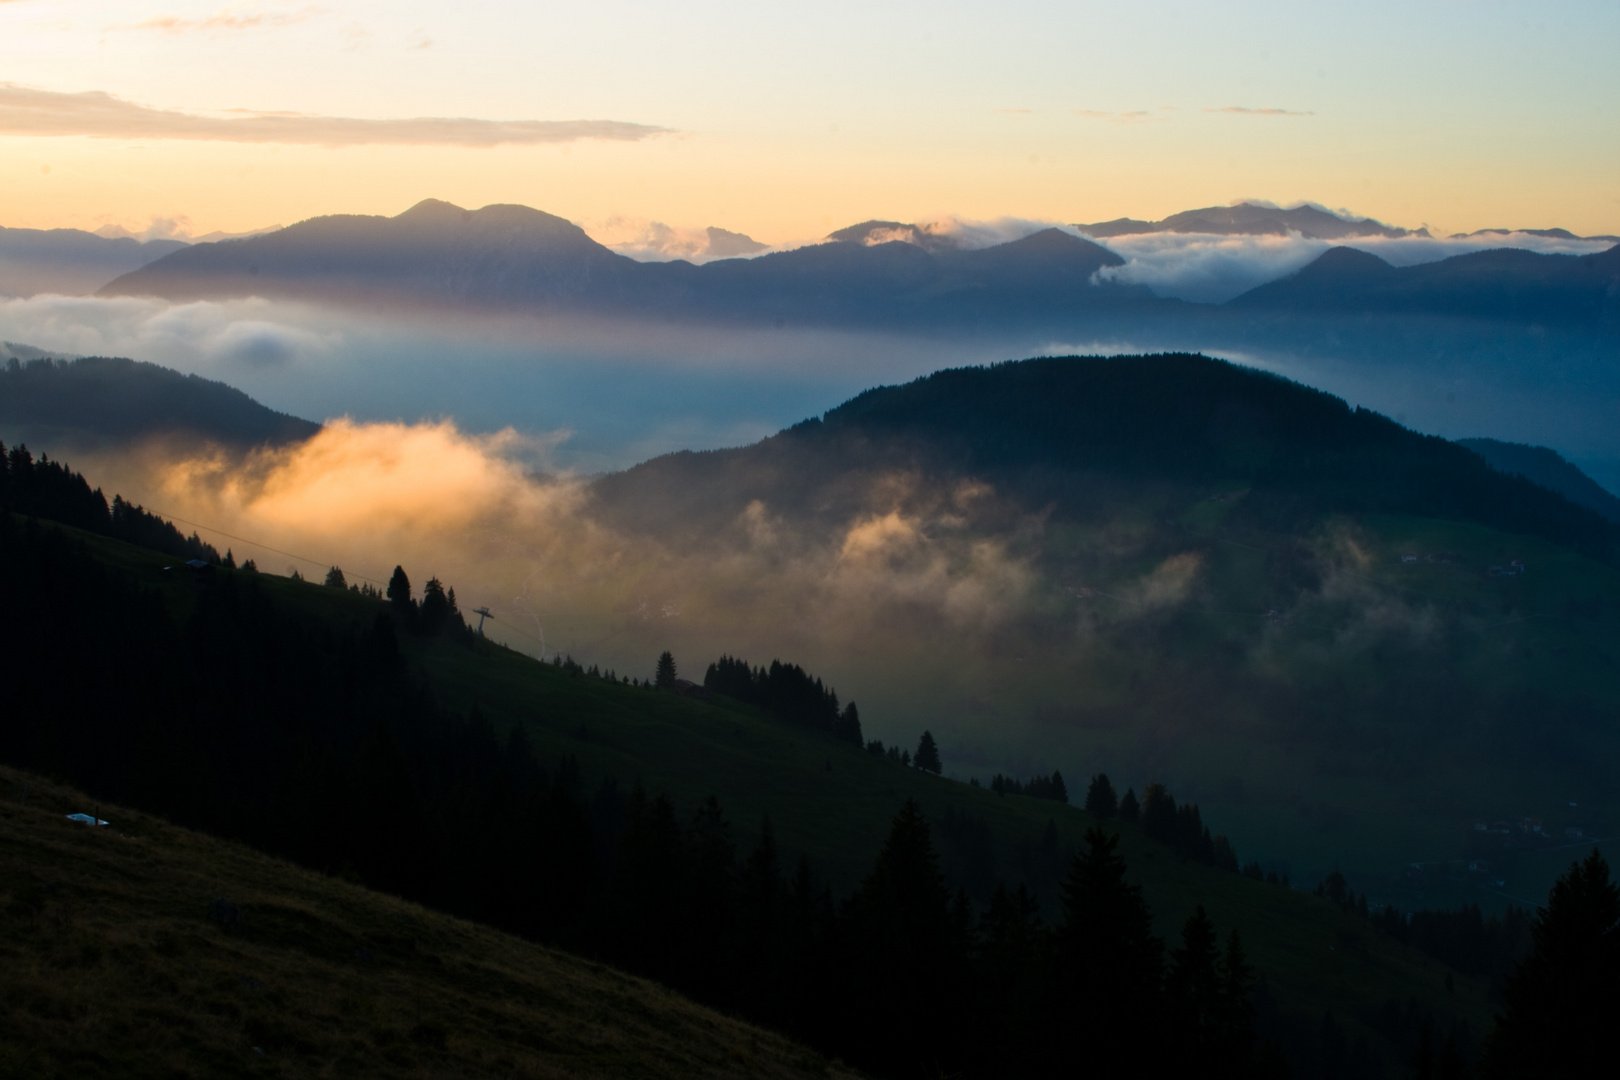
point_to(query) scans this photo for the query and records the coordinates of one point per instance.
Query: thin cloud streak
(1241, 110)
(100, 115)
(223, 20)
(1130, 116)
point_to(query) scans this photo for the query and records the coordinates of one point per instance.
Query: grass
(112, 964)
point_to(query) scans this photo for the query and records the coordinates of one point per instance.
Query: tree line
(318, 742)
(785, 691)
(49, 489)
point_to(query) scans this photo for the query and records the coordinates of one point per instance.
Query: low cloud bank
(1211, 269)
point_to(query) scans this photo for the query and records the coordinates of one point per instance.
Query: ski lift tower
(482, 613)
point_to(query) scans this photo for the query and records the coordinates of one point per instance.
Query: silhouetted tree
(1128, 807)
(1109, 966)
(399, 589)
(435, 609)
(848, 727)
(334, 578)
(1100, 797)
(664, 676)
(904, 956)
(1560, 1001)
(927, 757)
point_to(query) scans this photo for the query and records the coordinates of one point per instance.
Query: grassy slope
(110, 965)
(1314, 957)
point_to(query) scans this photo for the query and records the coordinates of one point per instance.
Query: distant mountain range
(516, 258)
(70, 261)
(1506, 284)
(876, 274)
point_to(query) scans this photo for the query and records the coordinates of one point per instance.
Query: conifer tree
(906, 965)
(1129, 810)
(1059, 790)
(1159, 814)
(664, 676)
(1196, 993)
(399, 588)
(435, 610)
(334, 577)
(927, 758)
(1100, 797)
(1562, 1000)
(1109, 966)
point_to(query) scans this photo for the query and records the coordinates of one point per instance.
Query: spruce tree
(399, 587)
(1159, 814)
(905, 962)
(435, 609)
(1109, 966)
(927, 757)
(1100, 797)
(1563, 997)
(1129, 810)
(334, 577)
(664, 676)
(1194, 986)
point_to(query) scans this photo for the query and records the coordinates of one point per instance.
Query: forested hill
(1549, 469)
(1504, 284)
(97, 399)
(1076, 433)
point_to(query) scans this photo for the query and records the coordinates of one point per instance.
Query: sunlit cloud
(1241, 110)
(97, 114)
(1212, 268)
(224, 21)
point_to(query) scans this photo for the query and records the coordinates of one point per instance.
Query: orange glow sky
(785, 121)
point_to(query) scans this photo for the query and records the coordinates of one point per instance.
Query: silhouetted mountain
(498, 256)
(515, 258)
(725, 244)
(97, 399)
(878, 274)
(69, 261)
(1549, 469)
(882, 232)
(1251, 219)
(1504, 283)
(1076, 435)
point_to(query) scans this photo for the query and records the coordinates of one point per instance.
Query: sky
(784, 121)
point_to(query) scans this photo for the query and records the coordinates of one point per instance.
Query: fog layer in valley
(601, 395)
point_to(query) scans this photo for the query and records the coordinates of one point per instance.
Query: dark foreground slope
(116, 960)
(102, 401)
(276, 711)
